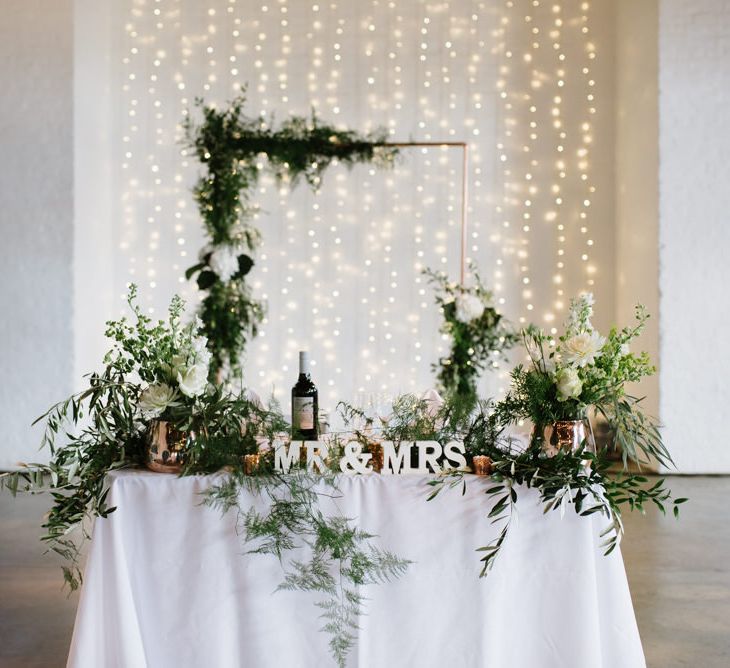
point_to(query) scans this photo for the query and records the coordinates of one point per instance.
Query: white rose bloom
(224, 262)
(194, 380)
(468, 307)
(569, 385)
(583, 348)
(155, 399)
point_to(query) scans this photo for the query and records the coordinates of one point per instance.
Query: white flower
(193, 381)
(199, 346)
(624, 350)
(534, 350)
(468, 307)
(583, 348)
(224, 262)
(569, 385)
(588, 299)
(155, 399)
(178, 365)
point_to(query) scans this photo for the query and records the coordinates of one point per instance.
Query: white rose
(583, 348)
(155, 399)
(569, 385)
(624, 350)
(193, 381)
(224, 262)
(468, 307)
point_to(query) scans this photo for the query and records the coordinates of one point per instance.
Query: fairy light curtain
(341, 268)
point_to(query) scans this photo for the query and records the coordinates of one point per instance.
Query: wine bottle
(304, 403)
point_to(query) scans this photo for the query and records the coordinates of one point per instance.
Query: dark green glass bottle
(304, 403)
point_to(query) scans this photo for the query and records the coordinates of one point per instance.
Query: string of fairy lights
(340, 267)
(546, 93)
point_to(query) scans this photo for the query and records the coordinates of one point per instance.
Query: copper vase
(565, 435)
(481, 465)
(166, 447)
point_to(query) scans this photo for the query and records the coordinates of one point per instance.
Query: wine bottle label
(303, 412)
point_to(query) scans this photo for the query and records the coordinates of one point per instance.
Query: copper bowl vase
(564, 435)
(166, 447)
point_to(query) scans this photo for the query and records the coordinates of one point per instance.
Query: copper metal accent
(166, 447)
(376, 450)
(566, 435)
(250, 464)
(464, 186)
(482, 465)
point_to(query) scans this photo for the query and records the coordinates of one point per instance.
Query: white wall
(36, 217)
(694, 232)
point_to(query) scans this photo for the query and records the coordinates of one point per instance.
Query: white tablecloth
(168, 584)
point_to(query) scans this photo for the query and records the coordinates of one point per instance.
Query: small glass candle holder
(482, 465)
(250, 464)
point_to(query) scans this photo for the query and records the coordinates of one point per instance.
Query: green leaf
(190, 271)
(245, 263)
(206, 279)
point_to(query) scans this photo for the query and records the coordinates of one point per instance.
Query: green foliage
(340, 558)
(230, 144)
(478, 335)
(580, 480)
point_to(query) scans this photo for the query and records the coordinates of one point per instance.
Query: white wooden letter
(284, 457)
(395, 460)
(454, 452)
(428, 454)
(316, 454)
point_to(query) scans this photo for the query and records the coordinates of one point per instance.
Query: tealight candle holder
(250, 464)
(482, 465)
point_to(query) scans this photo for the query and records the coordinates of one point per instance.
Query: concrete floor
(679, 575)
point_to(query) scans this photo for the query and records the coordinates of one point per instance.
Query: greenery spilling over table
(159, 371)
(231, 146)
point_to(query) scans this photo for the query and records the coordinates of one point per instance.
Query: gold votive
(376, 450)
(250, 464)
(482, 465)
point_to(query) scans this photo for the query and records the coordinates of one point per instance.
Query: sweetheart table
(169, 584)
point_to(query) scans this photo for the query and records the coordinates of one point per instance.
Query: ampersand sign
(354, 460)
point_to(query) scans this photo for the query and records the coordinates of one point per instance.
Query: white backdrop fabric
(169, 584)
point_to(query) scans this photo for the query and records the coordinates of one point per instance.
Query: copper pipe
(464, 186)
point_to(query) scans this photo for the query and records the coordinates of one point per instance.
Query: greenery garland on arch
(229, 144)
(477, 334)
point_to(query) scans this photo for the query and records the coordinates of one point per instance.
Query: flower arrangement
(170, 359)
(582, 370)
(476, 333)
